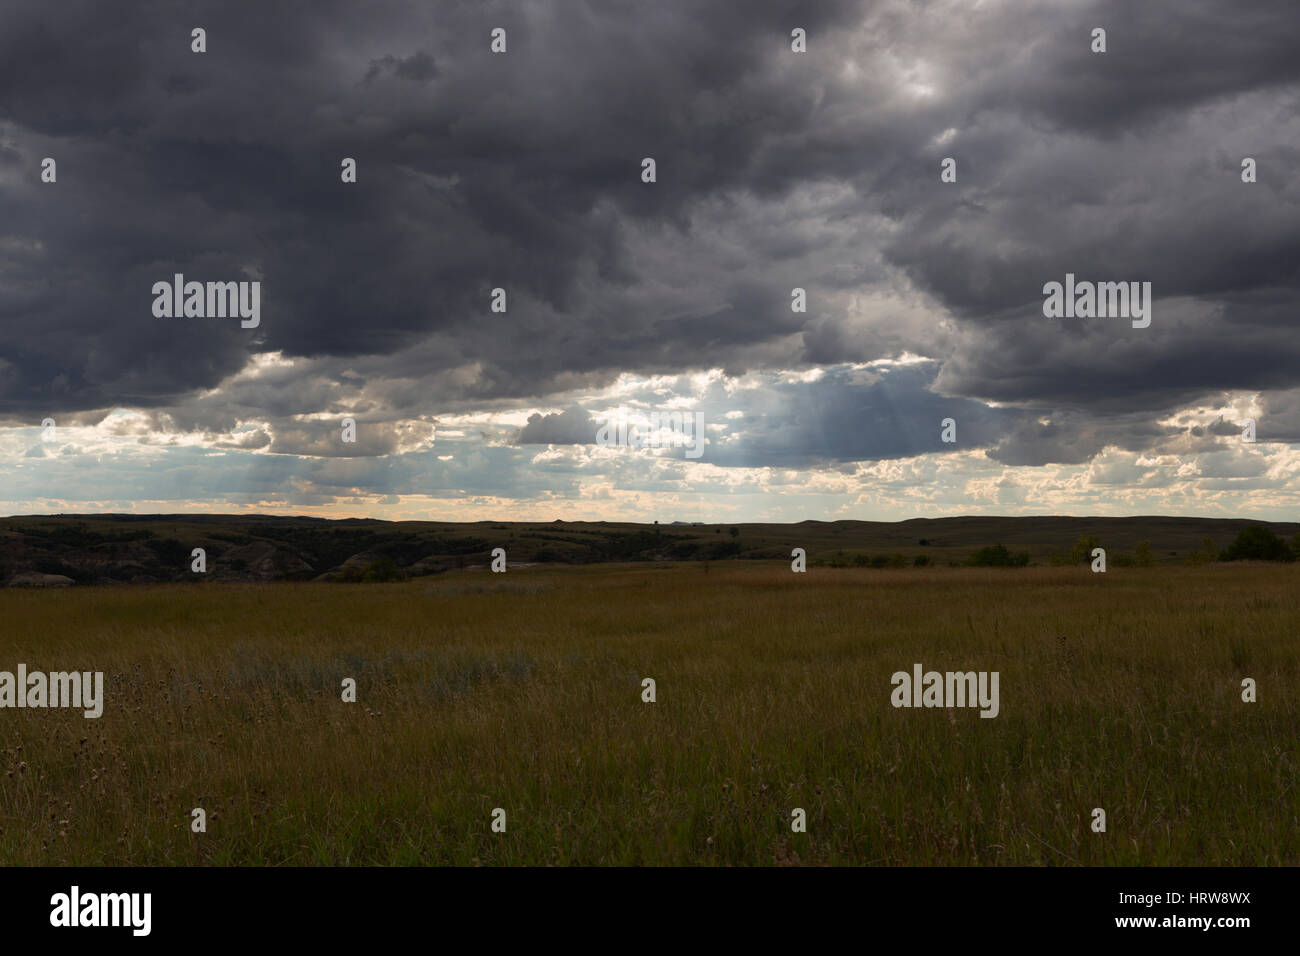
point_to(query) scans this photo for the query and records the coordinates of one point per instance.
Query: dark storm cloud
(418, 66)
(1071, 438)
(474, 171)
(776, 170)
(1280, 420)
(1161, 57)
(1118, 166)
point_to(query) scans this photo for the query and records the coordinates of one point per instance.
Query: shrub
(1081, 553)
(1140, 558)
(1257, 543)
(384, 569)
(1206, 553)
(997, 556)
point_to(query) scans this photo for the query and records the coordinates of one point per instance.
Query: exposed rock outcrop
(34, 579)
(260, 560)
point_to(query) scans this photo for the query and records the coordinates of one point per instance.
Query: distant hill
(106, 549)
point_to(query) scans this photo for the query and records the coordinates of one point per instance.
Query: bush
(384, 569)
(997, 556)
(1081, 553)
(1206, 554)
(1258, 543)
(922, 561)
(1140, 558)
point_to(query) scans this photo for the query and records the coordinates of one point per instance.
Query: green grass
(523, 691)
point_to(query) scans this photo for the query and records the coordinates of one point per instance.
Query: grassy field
(523, 691)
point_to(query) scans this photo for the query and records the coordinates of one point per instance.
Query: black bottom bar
(662, 906)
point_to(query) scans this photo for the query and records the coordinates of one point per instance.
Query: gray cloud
(776, 170)
(573, 426)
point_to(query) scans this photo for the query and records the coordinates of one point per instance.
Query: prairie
(523, 691)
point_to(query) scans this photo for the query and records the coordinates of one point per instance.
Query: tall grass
(523, 691)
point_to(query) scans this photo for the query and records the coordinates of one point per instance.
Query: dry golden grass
(522, 691)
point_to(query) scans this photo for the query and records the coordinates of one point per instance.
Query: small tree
(1081, 553)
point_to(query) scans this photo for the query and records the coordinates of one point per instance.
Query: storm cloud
(776, 171)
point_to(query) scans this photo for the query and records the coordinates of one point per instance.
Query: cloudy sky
(774, 170)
